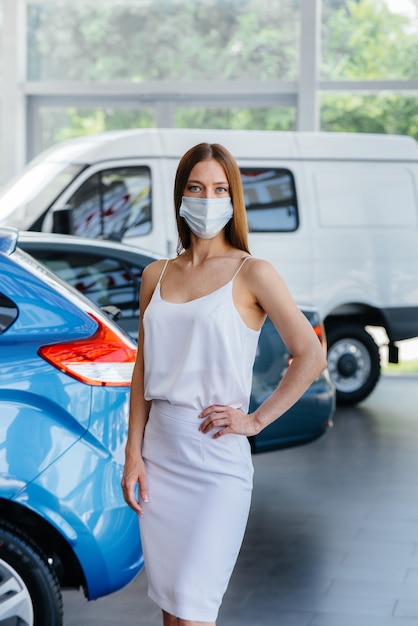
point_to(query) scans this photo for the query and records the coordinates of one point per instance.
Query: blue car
(65, 372)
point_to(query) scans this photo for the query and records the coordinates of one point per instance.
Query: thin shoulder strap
(243, 261)
(163, 270)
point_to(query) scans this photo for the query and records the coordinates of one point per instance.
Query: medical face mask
(206, 217)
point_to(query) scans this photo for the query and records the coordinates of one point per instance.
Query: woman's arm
(308, 358)
(134, 471)
(270, 294)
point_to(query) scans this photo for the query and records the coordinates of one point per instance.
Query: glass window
(369, 40)
(89, 40)
(104, 280)
(86, 208)
(274, 118)
(113, 203)
(386, 113)
(270, 198)
(55, 124)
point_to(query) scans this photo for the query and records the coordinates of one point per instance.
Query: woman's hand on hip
(227, 420)
(134, 473)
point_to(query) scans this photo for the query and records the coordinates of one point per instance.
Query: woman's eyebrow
(195, 180)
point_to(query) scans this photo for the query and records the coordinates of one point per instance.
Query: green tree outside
(365, 41)
(222, 39)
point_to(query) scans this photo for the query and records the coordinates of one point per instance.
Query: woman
(187, 449)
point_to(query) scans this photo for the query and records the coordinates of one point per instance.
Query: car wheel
(30, 593)
(353, 363)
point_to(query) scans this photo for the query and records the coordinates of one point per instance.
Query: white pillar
(310, 39)
(13, 110)
(165, 114)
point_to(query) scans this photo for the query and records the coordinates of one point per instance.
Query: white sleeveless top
(200, 352)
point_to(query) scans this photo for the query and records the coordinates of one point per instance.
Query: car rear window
(105, 280)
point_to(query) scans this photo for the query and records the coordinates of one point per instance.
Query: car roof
(42, 240)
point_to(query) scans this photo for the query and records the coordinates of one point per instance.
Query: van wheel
(30, 593)
(353, 363)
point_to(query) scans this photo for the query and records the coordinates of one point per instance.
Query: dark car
(110, 274)
(65, 371)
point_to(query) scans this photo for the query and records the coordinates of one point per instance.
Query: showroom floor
(332, 538)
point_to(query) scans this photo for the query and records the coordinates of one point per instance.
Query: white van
(337, 214)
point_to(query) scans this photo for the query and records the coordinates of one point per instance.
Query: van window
(270, 198)
(113, 203)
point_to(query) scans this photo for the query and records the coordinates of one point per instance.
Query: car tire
(30, 592)
(353, 363)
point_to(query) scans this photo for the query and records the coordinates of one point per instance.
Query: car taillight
(320, 333)
(106, 358)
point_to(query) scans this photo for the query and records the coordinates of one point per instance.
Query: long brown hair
(236, 231)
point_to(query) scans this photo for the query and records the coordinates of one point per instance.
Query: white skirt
(194, 523)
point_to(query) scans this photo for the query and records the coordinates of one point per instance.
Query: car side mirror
(63, 221)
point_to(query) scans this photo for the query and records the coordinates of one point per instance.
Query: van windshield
(29, 195)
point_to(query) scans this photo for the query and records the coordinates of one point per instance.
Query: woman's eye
(193, 188)
(222, 190)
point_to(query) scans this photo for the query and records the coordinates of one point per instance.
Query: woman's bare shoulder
(154, 269)
(260, 270)
(265, 283)
(151, 275)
